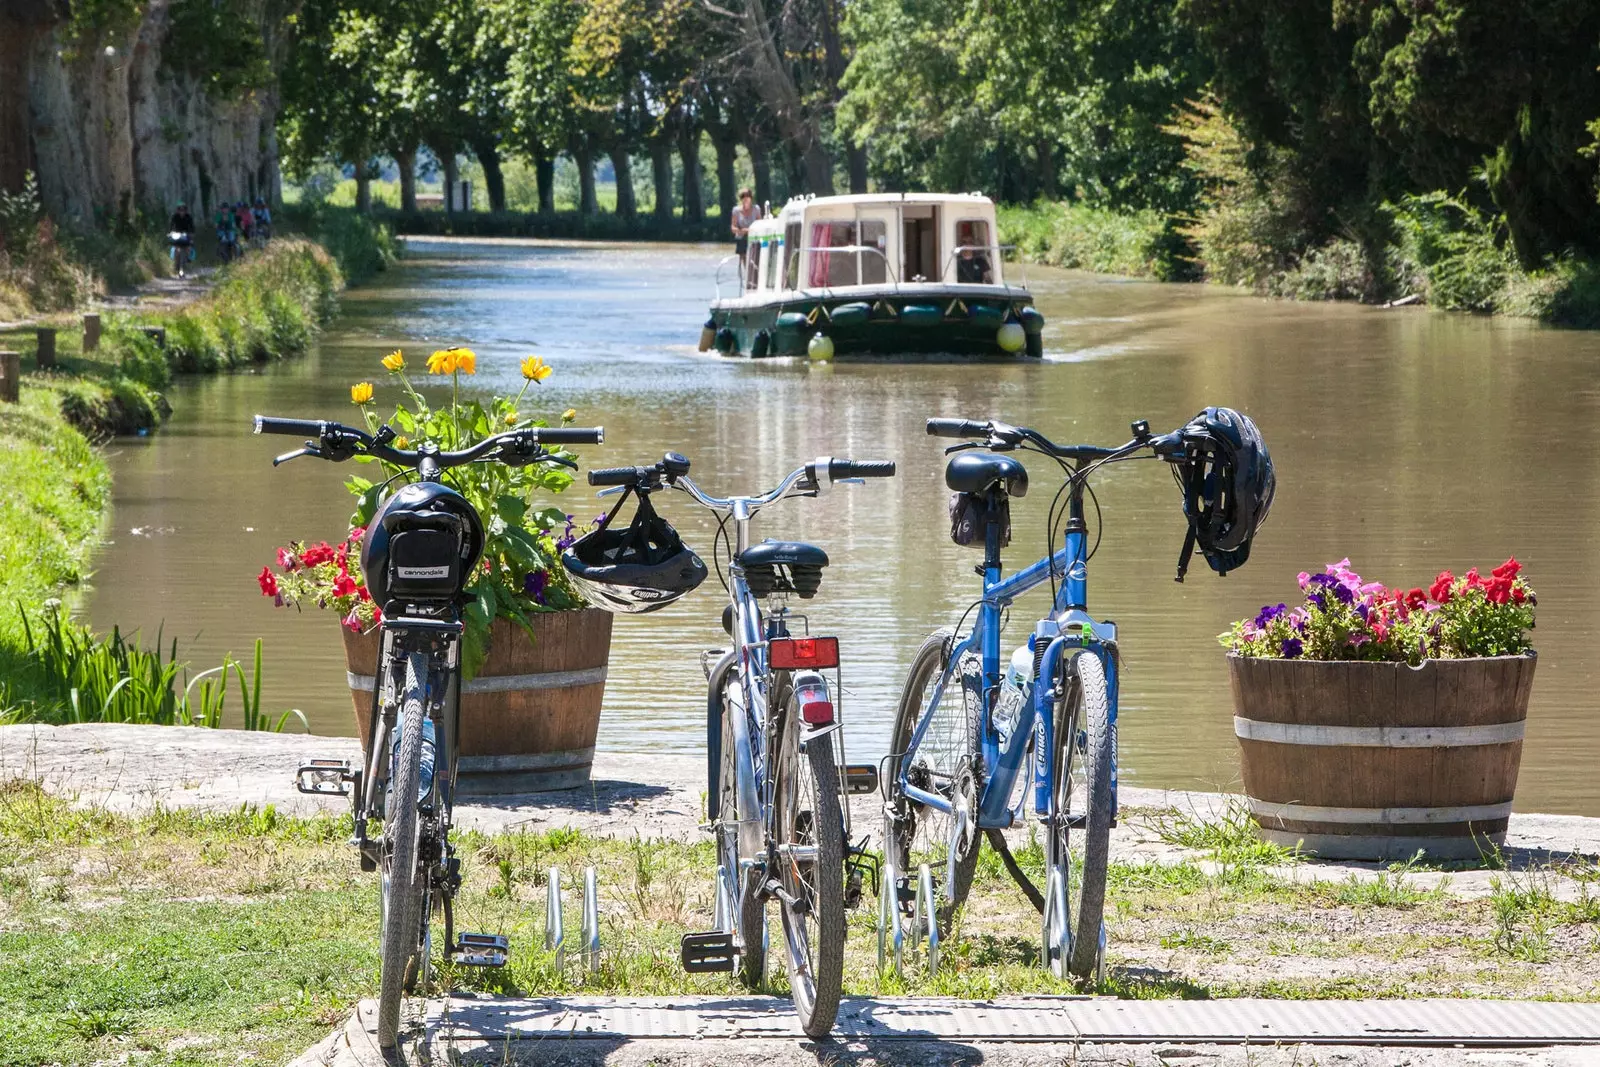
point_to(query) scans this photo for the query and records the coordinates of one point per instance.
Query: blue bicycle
(968, 721)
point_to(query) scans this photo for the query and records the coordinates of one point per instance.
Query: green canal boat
(877, 275)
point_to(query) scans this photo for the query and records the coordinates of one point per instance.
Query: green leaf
(511, 508)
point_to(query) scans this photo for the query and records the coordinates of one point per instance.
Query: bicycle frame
(1069, 627)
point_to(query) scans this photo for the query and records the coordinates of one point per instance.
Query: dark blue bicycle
(968, 723)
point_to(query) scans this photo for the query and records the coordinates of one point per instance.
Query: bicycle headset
(634, 570)
(1228, 481)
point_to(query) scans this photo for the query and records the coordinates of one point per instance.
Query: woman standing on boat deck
(746, 213)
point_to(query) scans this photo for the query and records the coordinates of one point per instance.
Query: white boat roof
(890, 198)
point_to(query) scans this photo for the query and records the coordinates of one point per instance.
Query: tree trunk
(583, 156)
(544, 172)
(452, 175)
(622, 164)
(1046, 157)
(856, 161)
(762, 165)
(494, 182)
(406, 161)
(694, 209)
(794, 169)
(363, 188)
(725, 179)
(661, 173)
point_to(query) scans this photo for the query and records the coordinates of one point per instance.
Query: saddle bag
(970, 514)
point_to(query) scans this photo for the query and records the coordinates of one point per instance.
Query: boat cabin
(899, 239)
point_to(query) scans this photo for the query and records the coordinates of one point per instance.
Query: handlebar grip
(614, 476)
(860, 468)
(570, 435)
(290, 427)
(957, 428)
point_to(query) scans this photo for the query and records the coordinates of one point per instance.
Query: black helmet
(634, 570)
(1227, 481)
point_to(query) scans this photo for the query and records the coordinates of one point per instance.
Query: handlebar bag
(970, 513)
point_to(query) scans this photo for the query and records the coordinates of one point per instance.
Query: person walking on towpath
(743, 216)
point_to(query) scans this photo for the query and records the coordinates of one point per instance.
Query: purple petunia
(1292, 647)
(1269, 613)
(534, 585)
(1343, 594)
(1324, 580)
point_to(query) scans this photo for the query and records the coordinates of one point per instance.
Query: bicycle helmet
(1227, 480)
(635, 570)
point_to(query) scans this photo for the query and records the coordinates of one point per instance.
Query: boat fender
(987, 315)
(727, 343)
(1035, 346)
(1011, 337)
(820, 348)
(1032, 320)
(792, 320)
(921, 315)
(761, 344)
(850, 314)
(708, 334)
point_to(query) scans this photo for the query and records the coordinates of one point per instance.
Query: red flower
(377, 615)
(316, 555)
(286, 560)
(1473, 581)
(1509, 569)
(1380, 630)
(356, 534)
(268, 581)
(1414, 599)
(352, 622)
(361, 591)
(1439, 591)
(1518, 594)
(344, 585)
(1498, 590)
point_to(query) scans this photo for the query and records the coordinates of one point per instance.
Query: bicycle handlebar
(860, 468)
(1003, 437)
(336, 441)
(673, 472)
(619, 475)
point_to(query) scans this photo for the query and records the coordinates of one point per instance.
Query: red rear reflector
(817, 712)
(803, 653)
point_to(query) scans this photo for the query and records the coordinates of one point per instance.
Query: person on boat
(743, 216)
(972, 267)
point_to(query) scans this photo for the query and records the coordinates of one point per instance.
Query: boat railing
(716, 279)
(999, 251)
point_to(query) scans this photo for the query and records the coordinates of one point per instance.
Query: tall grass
(1140, 244)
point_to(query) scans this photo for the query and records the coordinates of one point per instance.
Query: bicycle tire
(402, 880)
(748, 910)
(1084, 735)
(815, 963)
(961, 731)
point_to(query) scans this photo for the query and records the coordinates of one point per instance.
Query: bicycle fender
(715, 681)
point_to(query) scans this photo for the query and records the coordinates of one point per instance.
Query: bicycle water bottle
(425, 778)
(1014, 690)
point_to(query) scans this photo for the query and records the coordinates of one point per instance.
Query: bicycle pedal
(480, 950)
(707, 953)
(860, 778)
(324, 777)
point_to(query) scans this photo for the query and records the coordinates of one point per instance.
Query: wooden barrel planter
(1380, 760)
(529, 718)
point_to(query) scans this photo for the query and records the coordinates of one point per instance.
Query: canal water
(1407, 440)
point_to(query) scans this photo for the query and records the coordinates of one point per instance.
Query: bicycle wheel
(403, 882)
(948, 763)
(1084, 755)
(810, 832)
(747, 910)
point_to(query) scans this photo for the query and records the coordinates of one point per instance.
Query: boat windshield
(974, 252)
(837, 256)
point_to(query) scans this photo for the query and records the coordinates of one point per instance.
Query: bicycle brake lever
(612, 490)
(962, 447)
(308, 450)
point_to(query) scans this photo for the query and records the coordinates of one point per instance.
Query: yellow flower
(511, 418)
(442, 361)
(569, 414)
(402, 441)
(466, 360)
(395, 360)
(536, 370)
(361, 392)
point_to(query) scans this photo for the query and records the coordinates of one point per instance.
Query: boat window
(791, 256)
(974, 252)
(875, 267)
(752, 265)
(830, 268)
(775, 252)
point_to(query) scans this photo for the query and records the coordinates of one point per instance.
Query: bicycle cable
(717, 539)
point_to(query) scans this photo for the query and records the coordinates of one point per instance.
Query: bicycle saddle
(977, 472)
(787, 553)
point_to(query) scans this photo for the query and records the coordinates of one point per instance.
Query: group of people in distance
(235, 223)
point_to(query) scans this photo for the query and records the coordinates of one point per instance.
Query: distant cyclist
(261, 219)
(180, 238)
(227, 233)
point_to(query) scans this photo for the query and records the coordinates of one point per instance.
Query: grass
(185, 937)
(1140, 244)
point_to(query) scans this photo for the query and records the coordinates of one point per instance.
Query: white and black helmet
(1228, 482)
(634, 570)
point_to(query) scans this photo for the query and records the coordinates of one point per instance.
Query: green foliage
(36, 268)
(361, 245)
(220, 44)
(1449, 252)
(1080, 236)
(91, 23)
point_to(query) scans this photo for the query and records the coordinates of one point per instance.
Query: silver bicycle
(776, 763)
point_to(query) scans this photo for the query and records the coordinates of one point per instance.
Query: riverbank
(1438, 252)
(242, 896)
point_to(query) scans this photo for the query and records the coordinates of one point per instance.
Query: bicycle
(418, 552)
(963, 730)
(775, 754)
(180, 249)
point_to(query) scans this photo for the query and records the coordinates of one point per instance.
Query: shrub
(1081, 236)
(1339, 270)
(1449, 252)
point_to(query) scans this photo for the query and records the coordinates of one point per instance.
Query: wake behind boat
(879, 274)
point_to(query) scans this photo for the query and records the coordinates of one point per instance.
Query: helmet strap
(1183, 556)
